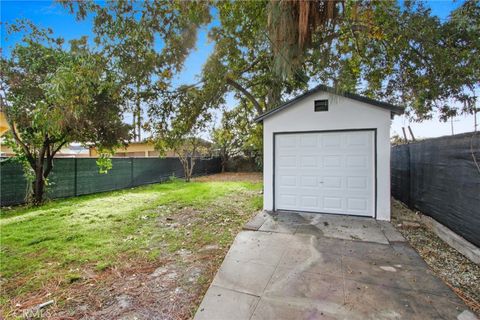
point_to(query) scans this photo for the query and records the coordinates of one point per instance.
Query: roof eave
(395, 110)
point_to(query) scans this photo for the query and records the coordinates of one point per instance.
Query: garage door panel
(308, 140)
(356, 161)
(308, 161)
(287, 161)
(298, 191)
(332, 182)
(309, 201)
(357, 141)
(333, 161)
(357, 183)
(357, 204)
(288, 180)
(333, 140)
(309, 181)
(336, 193)
(289, 201)
(333, 203)
(287, 141)
(287, 152)
(325, 172)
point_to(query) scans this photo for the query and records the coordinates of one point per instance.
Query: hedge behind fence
(77, 176)
(440, 178)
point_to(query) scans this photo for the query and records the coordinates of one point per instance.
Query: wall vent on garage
(321, 105)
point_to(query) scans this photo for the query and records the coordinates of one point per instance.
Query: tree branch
(16, 137)
(50, 156)
(250, 66)
(58, 148)
(247, 94)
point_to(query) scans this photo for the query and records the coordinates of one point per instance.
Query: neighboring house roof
(394, 109)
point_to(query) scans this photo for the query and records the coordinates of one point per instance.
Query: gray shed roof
(394, 109)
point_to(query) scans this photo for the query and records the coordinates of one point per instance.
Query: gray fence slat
(79, 176)
(439, 178)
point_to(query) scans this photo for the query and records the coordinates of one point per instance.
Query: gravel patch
(457, 271)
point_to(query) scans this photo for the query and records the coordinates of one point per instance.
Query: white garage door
(330, 172)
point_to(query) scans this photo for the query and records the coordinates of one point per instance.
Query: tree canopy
(266, 51)
(52, 96)
(148, 41)
(404, 55)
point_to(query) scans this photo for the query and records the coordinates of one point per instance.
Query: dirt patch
(143, 290)
(458, 272)
(233, 176)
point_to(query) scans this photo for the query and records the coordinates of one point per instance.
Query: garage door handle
(321, 181)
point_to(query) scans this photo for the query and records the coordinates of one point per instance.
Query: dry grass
(458, 272)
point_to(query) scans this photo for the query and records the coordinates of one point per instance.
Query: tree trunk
(38, 185)
(224, 162)
(43, 167)
(192, 164)
(186, 170)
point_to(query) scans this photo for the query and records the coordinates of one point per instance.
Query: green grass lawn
(56, 241)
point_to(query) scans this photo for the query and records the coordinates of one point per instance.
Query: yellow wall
(3, 124)
(134, 149)
(6, 151)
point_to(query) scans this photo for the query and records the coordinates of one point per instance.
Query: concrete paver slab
(258, 247)
(272, 225)
(390, 232)
(294, 217)
(290, 283)
(424, 281)
(348, 228)
(379, 302)
(381, 253)
(321, 244)
(311, 260)
(297, 308)
(309, 229)
(220, 304)
(249, 278)
(317, 266)
(386, 275)
(448, 309)
(406, 252)
(257, 221)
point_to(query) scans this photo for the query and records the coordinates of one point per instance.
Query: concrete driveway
(316, 266)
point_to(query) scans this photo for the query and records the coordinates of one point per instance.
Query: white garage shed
(327, 152)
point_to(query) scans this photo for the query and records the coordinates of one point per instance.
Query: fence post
(75, 177)
(411, 180)
(131, 171)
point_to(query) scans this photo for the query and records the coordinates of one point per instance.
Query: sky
(64, 24)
